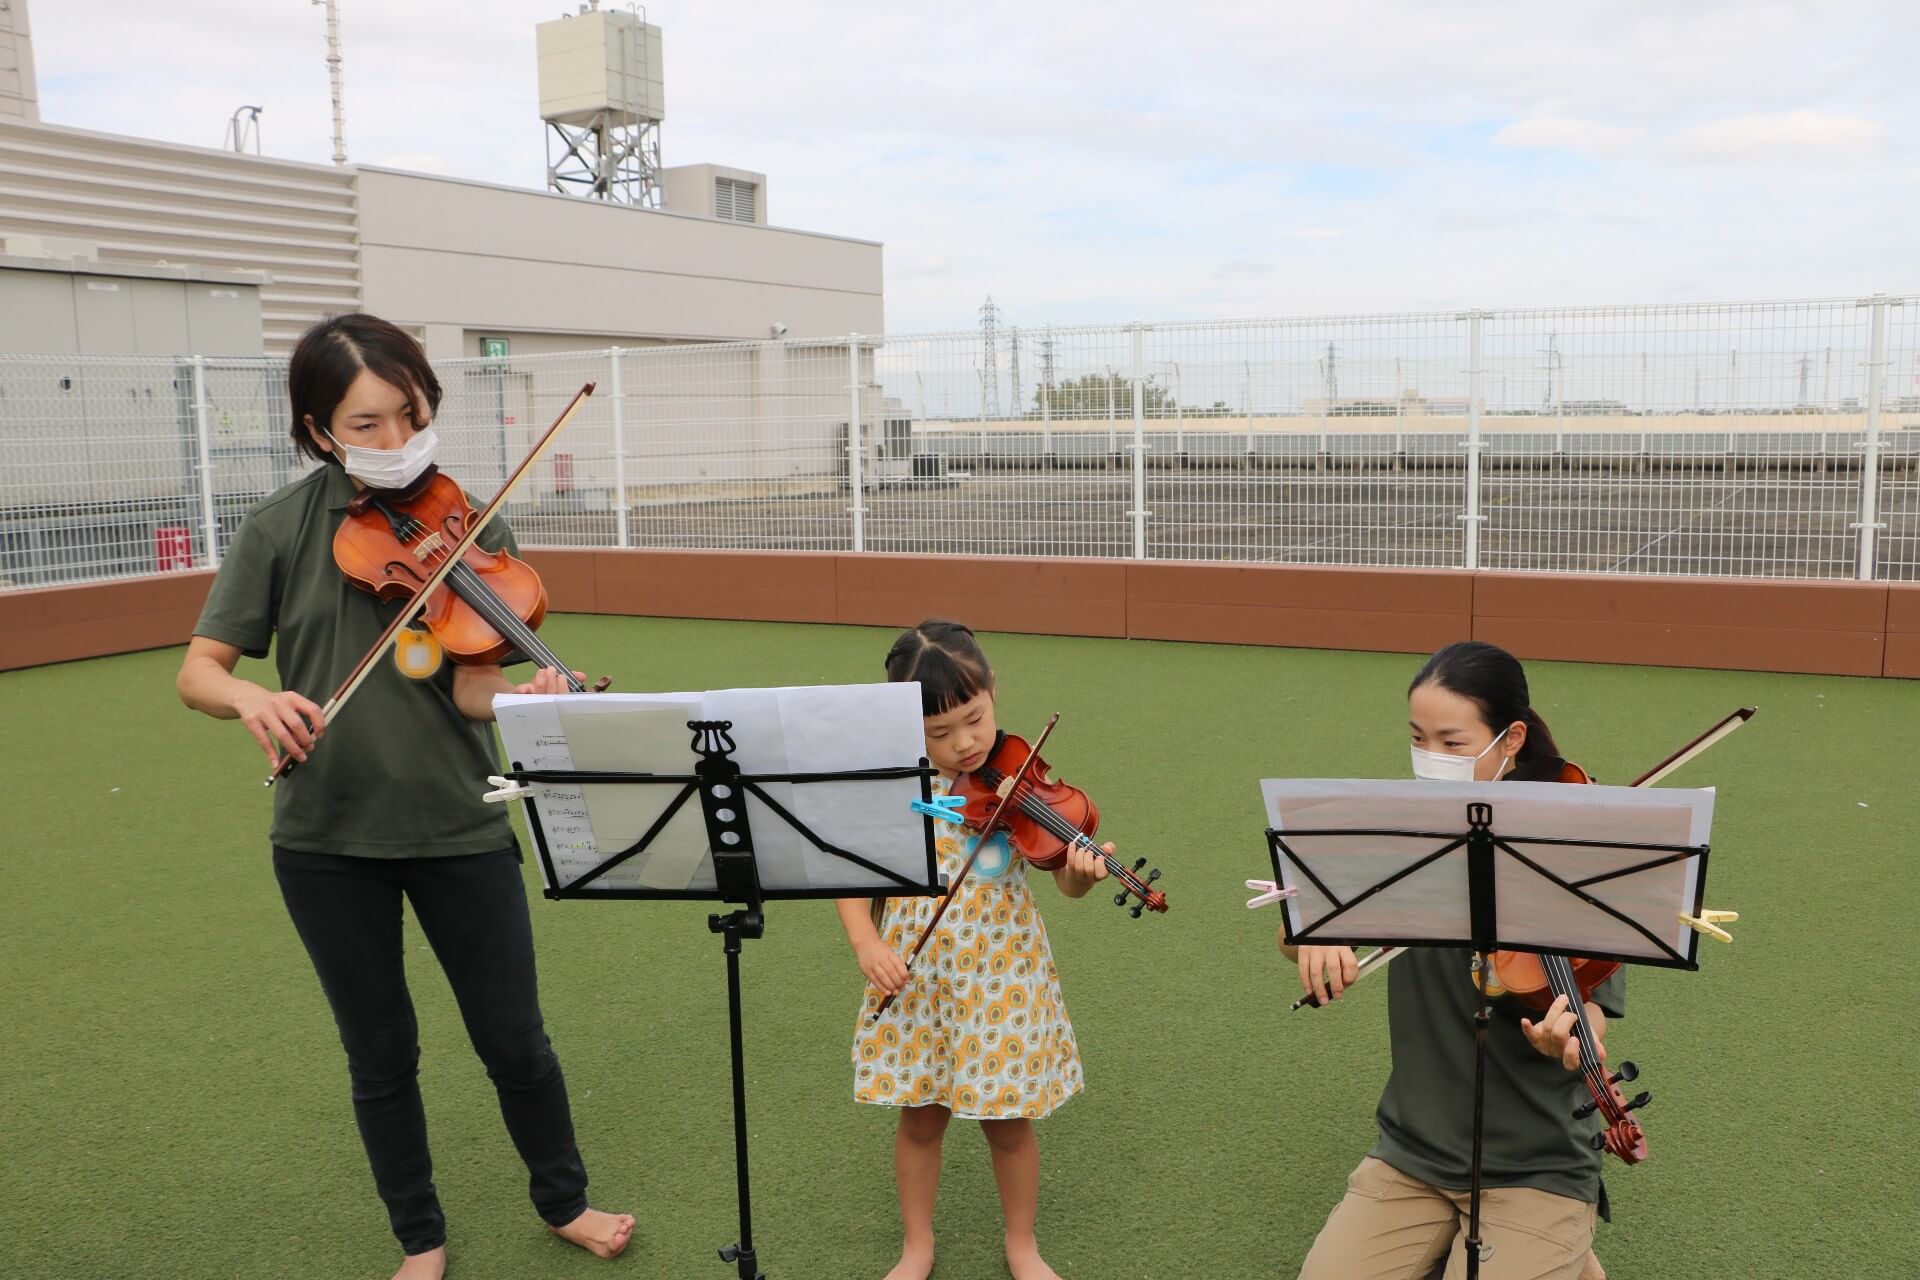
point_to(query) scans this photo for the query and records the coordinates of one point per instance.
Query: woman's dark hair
(1492, 679)
(946, 660)
(335, 352)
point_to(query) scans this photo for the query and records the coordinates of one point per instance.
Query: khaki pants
(1393, 1227)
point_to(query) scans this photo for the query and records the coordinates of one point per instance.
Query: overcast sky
(1096, 162)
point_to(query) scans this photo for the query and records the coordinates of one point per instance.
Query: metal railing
(1776, 439)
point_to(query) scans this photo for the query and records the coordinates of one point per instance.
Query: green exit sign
(493, 348)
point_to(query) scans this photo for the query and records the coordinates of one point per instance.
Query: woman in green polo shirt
(386, 803)
(1404, 1214)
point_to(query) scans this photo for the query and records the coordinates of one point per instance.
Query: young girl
(978, 1028)
(388, 804)
(1405, 1209)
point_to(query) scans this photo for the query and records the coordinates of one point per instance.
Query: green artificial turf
(176, 1100)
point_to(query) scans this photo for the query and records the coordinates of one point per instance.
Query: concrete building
(456, 261)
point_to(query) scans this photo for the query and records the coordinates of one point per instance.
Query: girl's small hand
(548, 680)
(1553, 1035)
(1326, 971)
(1086, 864)
(882, 965)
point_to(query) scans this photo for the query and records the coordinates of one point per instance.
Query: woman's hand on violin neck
(549, 680)
(1554, 1034)
(278, 721)
(1326, 971)
(474, 687)
(882, 965)
(1084, 869)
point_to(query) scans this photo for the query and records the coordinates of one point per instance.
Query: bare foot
(602, 1234)
(916, 1262)
(1025, 1262)
(431, 1265)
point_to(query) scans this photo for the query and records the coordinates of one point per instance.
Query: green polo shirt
(1426, 1114)
(400, 771)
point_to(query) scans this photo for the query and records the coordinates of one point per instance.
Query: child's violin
(1045, 818)
(1036, 829)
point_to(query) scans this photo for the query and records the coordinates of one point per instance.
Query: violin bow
(1380, 957)
(1007, 791)
(412, 607)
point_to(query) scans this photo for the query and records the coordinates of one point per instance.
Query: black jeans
(473, 911)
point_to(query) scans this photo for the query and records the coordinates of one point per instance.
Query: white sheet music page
(817, 729)
(1648, 886)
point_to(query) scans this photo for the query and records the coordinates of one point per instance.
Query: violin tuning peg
(1135, 912)
(1584, 1110)
(1640, 1100)
(1627, 1072)
(1599, 1141)
(1120, 898)
(1139, 863)
(1153, 875)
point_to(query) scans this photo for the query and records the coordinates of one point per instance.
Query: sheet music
(1432, 903)
(777, 730)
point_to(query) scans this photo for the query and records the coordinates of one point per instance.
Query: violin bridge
(428, 547)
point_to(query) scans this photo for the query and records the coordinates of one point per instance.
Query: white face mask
(1437, 766)
(389, 468)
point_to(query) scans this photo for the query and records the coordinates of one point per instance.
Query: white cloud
(1790, 135)
(1563, 133)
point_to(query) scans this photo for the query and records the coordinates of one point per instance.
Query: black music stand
(727, 838)
(1436, 883)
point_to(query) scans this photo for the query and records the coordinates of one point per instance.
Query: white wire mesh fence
(1755, 439)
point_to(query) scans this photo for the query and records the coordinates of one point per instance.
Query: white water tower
(603, 96)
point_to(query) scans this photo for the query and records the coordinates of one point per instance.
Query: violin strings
(504, 620)
(1560, 974)
(1040, 812)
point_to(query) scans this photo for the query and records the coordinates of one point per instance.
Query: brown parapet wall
(1311, 607)
(1828, 628)
(570, 576)
(748, 586)
(1060, 597)
(1839, 628)
(1903, 630)
(61, 624)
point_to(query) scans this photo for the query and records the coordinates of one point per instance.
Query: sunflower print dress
(980, 1028)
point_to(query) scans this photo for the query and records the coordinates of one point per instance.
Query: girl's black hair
(335, 352)
(946, 660)
(1492, 679)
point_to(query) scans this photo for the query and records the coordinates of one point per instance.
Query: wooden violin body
(490, 603)
(1014, 791)
(1045, 818)
(390, 543)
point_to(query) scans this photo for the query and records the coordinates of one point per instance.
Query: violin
(1537, 980)
(491, 601)
(1045, 818)
(436, 560)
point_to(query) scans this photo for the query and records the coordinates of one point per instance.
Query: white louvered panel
(140, 201)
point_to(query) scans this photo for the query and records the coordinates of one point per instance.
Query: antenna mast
(333, 75)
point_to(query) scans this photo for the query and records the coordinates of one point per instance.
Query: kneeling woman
(390, 807)
(1404, 1214)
